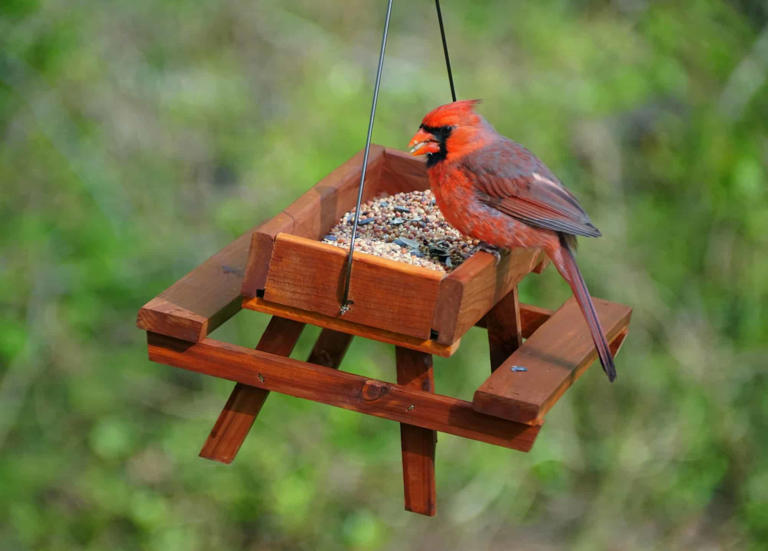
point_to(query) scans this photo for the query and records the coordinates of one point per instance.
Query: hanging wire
(345, 302)
(445, 48)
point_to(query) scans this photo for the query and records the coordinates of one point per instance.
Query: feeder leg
(504, 328)
(330, 348)
(414, 370)
(245, 402)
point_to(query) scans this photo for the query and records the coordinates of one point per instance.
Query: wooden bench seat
(554, 356)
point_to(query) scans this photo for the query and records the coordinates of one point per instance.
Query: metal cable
(445, 48)
(346, 303)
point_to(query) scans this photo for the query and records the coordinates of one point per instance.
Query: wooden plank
(403, 172)
(554, 356)
(531, 318)
(313, 213)
(388, 295)
(337, 388)
(210, 294)
(615, 344)
(321, 207)
(201, 300)
(330, 348)
(504, 328)
(473, 288)
(414, 371)
(345, 326)
(245, 402)
(262, 242)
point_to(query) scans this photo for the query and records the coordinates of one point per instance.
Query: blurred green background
(138, 138)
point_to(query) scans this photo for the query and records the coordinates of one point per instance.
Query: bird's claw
(491, 249)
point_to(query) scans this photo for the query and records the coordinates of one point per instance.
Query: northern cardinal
(495, 190)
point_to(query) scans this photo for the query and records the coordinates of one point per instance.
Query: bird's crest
(453, 114)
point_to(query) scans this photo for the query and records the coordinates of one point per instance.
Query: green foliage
(140, 137)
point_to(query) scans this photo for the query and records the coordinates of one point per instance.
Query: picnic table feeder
(282, 269)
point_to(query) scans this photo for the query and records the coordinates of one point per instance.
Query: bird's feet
(487, 247)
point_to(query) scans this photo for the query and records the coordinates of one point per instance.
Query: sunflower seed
(405, 242)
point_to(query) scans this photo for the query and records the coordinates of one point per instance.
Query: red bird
(495, 190)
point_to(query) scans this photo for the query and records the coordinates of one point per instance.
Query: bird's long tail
(566, 265)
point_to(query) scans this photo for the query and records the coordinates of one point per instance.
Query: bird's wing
(511, 179)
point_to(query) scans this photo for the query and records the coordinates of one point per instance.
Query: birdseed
(406, 227)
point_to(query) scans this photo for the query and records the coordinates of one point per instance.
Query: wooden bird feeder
(282, 269)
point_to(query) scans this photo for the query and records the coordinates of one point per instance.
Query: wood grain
(337, 388)
(262, 242)
(201, 300)
(330, 348)
(504, 328)
(321, 207)
(344, 326)
(245, 402)
(554, 356)
(388, 295)
(313, 213)
(532, 317)
(473, 288)
(402, 172)
(414, 371)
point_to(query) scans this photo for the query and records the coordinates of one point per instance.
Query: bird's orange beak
(422, 143)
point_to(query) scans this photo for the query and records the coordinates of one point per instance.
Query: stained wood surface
(312, 214)
(330, 348)
(344, 326)
(201, 300)
(615, 344)
(504, 327)
(403, 172)
(473, 288)
(532, 317)
(337, 388)
(245, 402)
(262, 241)
(321, 207)
(210, 294)
(554, 356)
(388, 295)
(414, 371)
